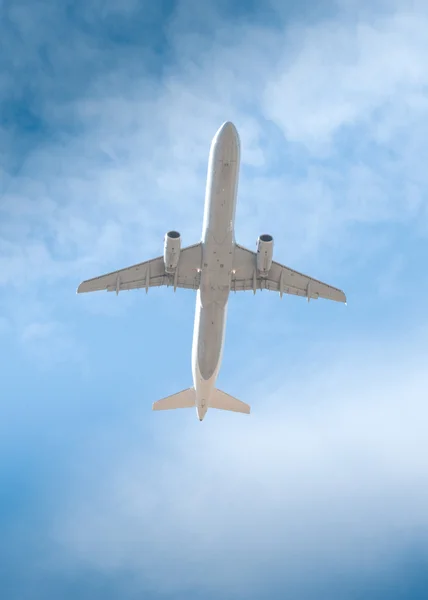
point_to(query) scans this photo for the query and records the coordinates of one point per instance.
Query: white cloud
(330, 469)
(331, 465)
(139, 166)
(145, 145)
(346, 71)
(133, 162)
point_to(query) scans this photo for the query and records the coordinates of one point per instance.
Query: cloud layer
(353, 92)
(109, 117)
(329, 471)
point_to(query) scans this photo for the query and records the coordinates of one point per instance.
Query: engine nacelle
(171, 252)
(264, 254)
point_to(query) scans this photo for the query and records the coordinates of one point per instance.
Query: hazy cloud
(138, 148)
(104, 147)
(330, 470)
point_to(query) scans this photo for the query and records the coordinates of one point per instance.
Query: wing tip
(339, 296)
(81, 288)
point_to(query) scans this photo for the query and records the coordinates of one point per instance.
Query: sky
(107, 111)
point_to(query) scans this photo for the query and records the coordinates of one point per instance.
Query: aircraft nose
(226, 142)
(227, 131)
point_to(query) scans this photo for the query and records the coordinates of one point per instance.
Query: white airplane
(213, 267)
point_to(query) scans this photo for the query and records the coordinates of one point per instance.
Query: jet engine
(264, 254)
(171, 252)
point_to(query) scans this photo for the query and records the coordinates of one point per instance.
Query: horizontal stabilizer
(183, 399)
(223, 401)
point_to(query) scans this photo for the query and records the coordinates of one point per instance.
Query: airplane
(214, 267)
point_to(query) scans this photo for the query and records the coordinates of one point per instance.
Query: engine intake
(264, 254)
(171, 253)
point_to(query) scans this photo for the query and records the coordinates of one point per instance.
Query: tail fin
(223, 401)
(183, 399)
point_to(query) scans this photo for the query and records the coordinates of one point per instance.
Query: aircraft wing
(280, 279)
(150, 274)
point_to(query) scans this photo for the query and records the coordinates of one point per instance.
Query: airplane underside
(214, 267)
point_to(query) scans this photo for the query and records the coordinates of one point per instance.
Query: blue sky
(107, 113)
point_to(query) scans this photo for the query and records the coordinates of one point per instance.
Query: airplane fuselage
(212, 267)
(218, 243)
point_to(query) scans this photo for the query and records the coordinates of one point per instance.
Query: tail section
(183, 399)
(187, 399)
(223, 401)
